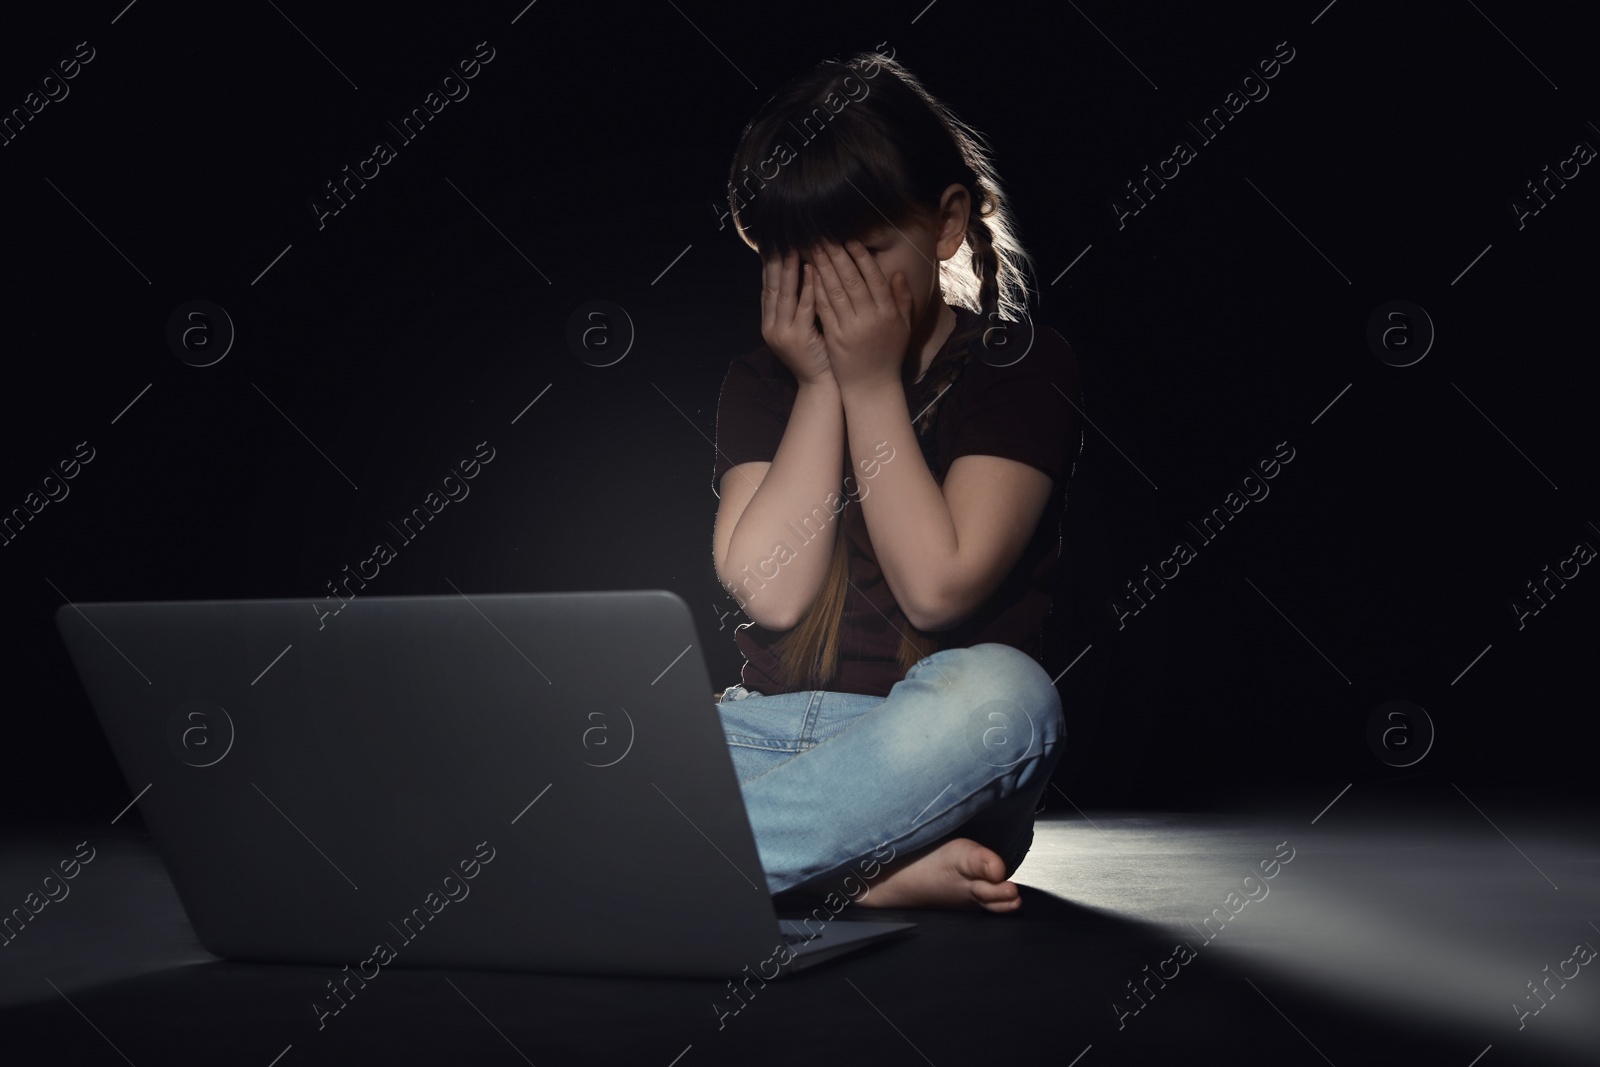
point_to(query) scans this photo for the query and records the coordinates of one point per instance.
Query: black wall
(1217, 322)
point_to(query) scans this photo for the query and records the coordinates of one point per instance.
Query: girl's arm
(942, 552)
(759, 558)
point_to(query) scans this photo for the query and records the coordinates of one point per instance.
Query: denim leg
(764, 731)
(966, 730)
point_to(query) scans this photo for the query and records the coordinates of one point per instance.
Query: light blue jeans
(963, 746)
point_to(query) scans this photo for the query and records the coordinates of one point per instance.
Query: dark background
(1216, 323)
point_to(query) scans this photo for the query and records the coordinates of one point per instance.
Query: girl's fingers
(778, 286)
(766, 293)
(825, 312)
(851, 279)
(877, 285)
(787, 286)
(833, 287)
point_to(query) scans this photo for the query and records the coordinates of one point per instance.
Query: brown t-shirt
(1016, 412)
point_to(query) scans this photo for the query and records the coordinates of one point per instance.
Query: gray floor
(1436, 914)
(1396, 932)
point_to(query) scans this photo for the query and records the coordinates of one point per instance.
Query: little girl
(892, 696)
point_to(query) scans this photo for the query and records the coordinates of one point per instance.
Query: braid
(948, 364)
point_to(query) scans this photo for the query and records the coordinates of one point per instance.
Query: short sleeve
(752, 412)
(1027, 411)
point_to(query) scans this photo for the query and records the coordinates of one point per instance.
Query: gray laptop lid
(525, 781)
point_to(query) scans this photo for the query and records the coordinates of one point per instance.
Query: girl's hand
(866, 318)
(788, 323)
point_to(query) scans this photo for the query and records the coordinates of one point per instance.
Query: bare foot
(960, 874)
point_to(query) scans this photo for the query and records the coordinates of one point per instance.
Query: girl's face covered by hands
(908, 248)
(911, 248)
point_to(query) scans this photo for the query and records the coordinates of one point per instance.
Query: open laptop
(520, 781)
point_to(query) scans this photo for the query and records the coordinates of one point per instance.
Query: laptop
(519, 781)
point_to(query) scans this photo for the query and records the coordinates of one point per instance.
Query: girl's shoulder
(1021, 404)
(1022, 355)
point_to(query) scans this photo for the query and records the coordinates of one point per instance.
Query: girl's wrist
(871, 389)
(827, 383)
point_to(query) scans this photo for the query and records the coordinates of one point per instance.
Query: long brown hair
(874, 127)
